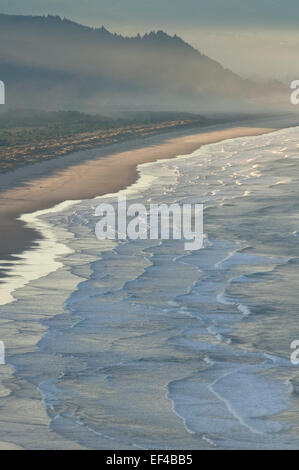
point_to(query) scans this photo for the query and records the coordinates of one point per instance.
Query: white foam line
(244, 309)
(209, 441)
(39, 261)
(182, 418)
(222, 299)
(229, 406)
(143, 182)
(230, 255)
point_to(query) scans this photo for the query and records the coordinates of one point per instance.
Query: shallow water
(145, 345)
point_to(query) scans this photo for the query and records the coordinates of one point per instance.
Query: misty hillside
(54, 63)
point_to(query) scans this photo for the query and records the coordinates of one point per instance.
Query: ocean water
(143, 345)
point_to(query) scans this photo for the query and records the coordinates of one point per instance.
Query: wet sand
(89, 173)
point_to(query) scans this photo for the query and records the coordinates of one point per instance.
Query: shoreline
(41, 335)
(96, 172)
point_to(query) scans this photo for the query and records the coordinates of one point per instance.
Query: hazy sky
(252, 37)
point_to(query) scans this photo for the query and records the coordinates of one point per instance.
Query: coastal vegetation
(31, 136)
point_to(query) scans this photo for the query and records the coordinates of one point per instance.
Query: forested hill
(53, 63)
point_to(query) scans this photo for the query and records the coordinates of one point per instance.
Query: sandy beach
(80, 323)
(95, 172)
